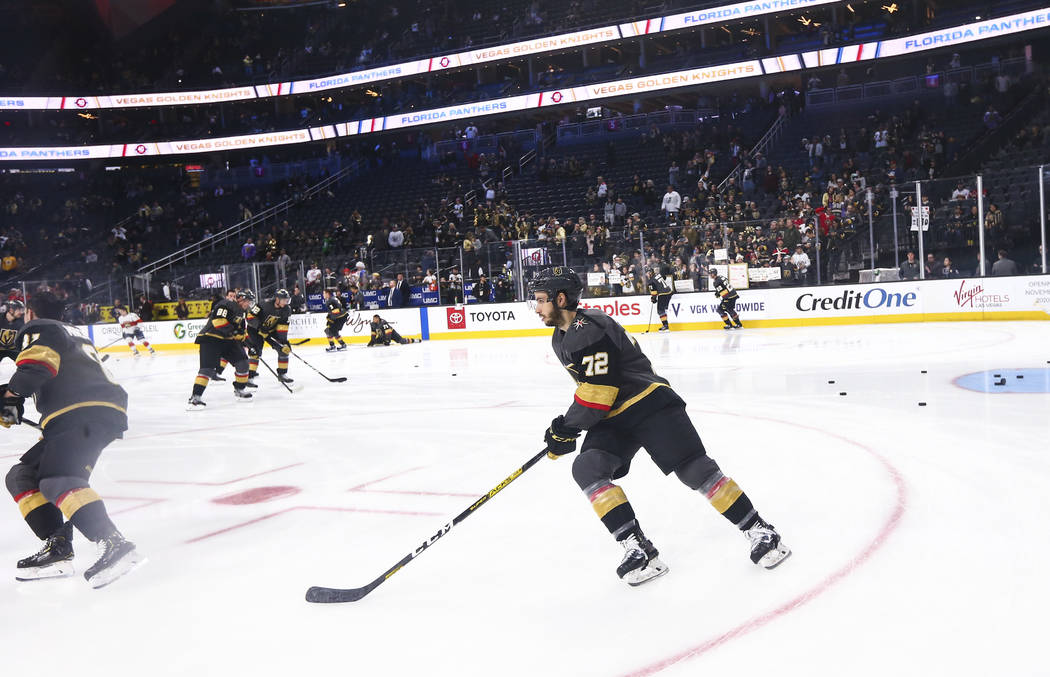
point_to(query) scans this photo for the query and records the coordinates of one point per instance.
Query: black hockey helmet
(246, 294)
(282, 294)
(558, 279)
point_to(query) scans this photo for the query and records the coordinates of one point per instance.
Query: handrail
(245, 225)
(760, 146)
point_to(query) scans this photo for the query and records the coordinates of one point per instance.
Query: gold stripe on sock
(725, 495)
(607, 498)
(30, 501)
(76, 499)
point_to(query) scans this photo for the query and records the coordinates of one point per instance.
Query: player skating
(11, 321)
(81, 412)
(383, 333)
(335, 321)
(728, 296)
(268, 324)
(660, 291)
(221, 338)
(130, 329)
(624, 406)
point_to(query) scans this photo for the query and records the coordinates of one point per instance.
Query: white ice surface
(918, 532)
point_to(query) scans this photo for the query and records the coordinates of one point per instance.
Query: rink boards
(1003, 298)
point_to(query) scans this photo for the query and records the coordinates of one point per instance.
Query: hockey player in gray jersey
(624, 406)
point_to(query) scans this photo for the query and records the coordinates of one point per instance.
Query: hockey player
(129, 327)
(81, 412)
(383, 333)
(268, 323)
(222, 337)
(660, 291)
(728, 296)
(10, 322)
(336, 320)
(624, 406)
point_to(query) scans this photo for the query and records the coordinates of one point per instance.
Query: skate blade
(56, 570)
(122, 566)
(654, 569)
(775, 557)
(195, 407)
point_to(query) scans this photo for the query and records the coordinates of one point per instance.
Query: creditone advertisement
(572, 95)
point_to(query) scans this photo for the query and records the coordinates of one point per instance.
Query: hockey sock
(85, 509)
(736, 319)
(199, 384)
(282, 364)
(240, 380)
(331, 343)
(131, 344)
(145, 344)
(253, 366)
(222, 365)
(730, 500)
(612, 507)
(341, 342)
(42, 517)
(725, 319)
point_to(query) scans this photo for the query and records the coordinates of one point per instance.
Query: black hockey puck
(830, 381)
(922, 404)
(997, 375)
(923, 371)
(453, 374)
(842, 393)
(1020, 376)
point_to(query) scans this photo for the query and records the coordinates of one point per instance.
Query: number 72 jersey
(61, 370)
(614, 378)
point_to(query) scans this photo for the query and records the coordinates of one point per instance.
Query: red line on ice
(758, 621)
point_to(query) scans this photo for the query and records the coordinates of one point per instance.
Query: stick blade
(320, 595)
(340, 379)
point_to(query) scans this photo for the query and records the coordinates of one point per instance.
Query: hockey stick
(340, 379)
(111, 343)
(329, 595)
(650, 322)
(298, 343)
(275, 375)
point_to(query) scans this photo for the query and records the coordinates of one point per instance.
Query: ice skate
(250, 383)
(284, 378)
(342, 346)
(330, 349)
(135, 353)
(116, 558)
(641, 561)
(767, 551)
(664, 328)
(728, 327)
(217, 377)
(55, 559)
(195, 403)
(242, 395)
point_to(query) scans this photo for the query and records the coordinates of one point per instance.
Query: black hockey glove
(653, 298)
(11, 408)
(560, 438)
